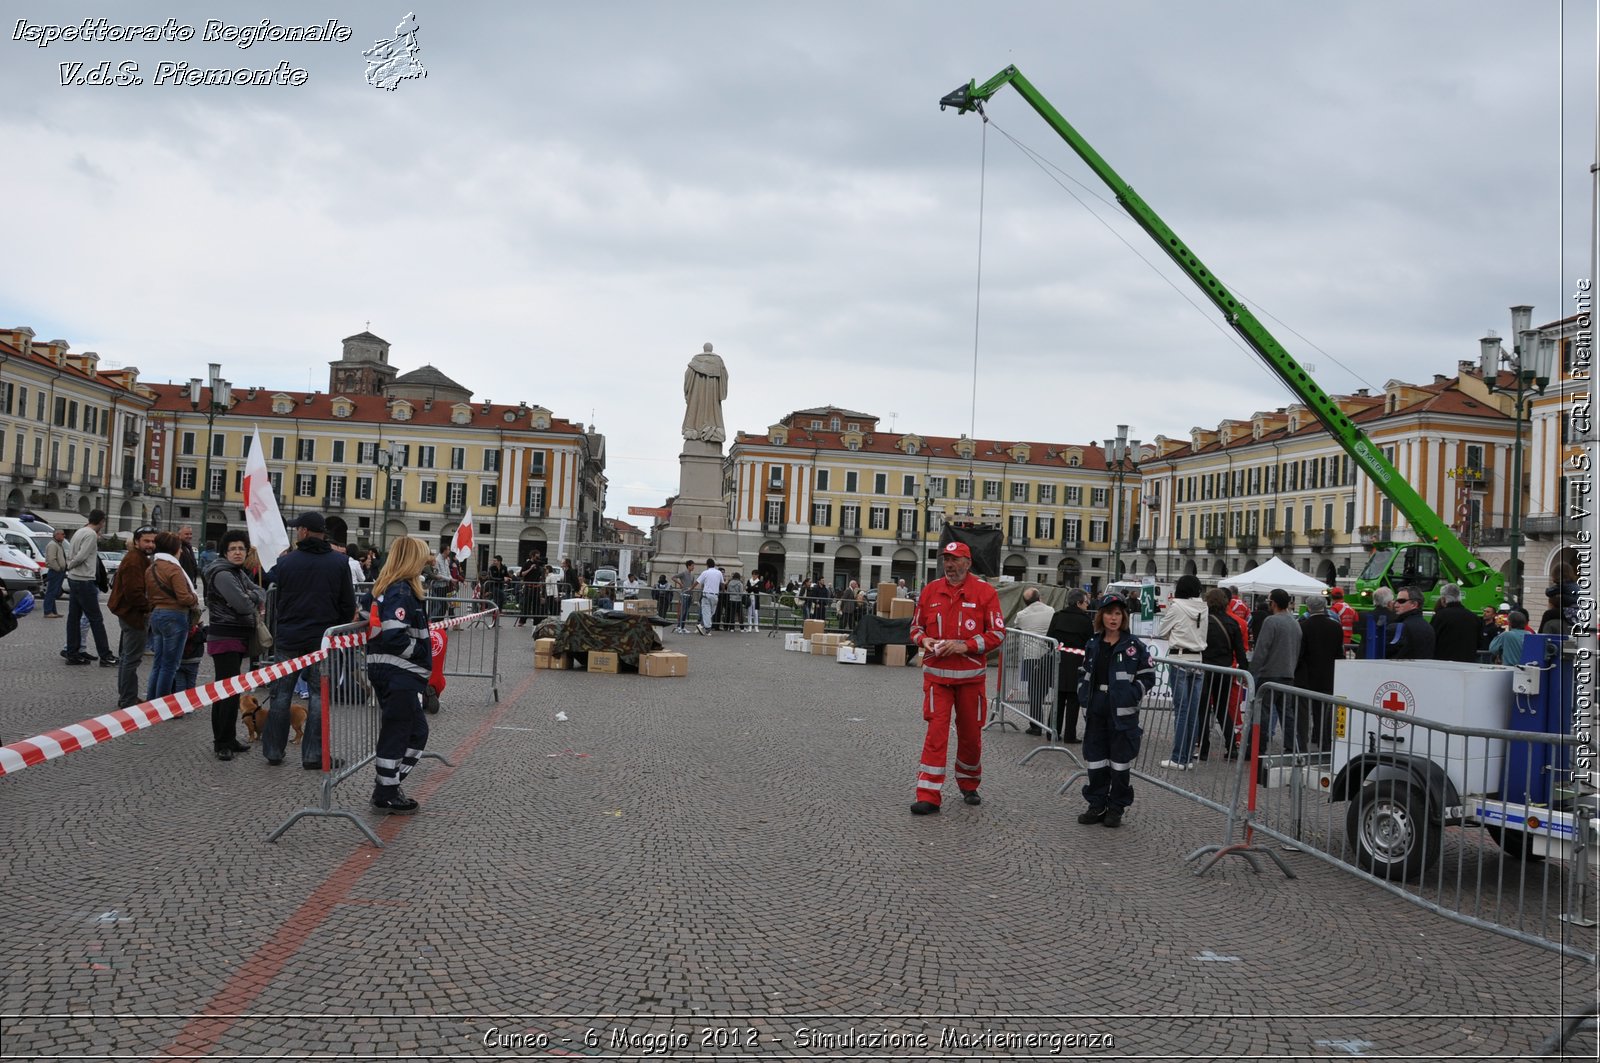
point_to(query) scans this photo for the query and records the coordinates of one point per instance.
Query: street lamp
(1531, 361)
(392, 460)
(1121, 459)
(927, 520)
(217, 401)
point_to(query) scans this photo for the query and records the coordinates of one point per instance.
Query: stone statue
(705, 385)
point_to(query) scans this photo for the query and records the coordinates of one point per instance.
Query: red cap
(955, 549)
(1336, 592)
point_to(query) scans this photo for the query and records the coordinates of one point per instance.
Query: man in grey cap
(314, 592)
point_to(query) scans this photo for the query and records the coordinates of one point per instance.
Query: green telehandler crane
(1438, 555)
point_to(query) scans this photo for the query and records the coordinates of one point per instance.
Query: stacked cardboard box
(661, 665)
(895, 655)
(827, 643)
(886, 593)
(902, 609)
(810, 628)
(574, 605)
(797, 642)
(544, 655)
(603, 661)
(640, 606)
(849, 653)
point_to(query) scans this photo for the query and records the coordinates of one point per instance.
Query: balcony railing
(130, 438)
(850, 531)
(1185, 546)
(534, 509)
(1319, 538)
(92, 483)
(1492, 537)
(1017, 542)
(1216, 543)
(217, 494)
(396, 507)
(1542, 525)
(454, 509)
(24, 472)
(774, 527)
(906, 535)
(132, 487)
(1248, 543)
(1071, 544)
(1147, 546)
(1281, 538)
(58, 478)
(333, 501)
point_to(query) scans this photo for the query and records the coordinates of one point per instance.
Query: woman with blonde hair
(399, 662)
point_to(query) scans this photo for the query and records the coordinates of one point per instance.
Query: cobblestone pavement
(719, 865)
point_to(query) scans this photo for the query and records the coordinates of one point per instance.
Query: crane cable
(977, 298)
(1045, 165)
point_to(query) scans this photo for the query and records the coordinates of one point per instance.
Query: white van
(29, 536)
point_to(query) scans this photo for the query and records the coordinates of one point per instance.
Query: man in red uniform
(957, 622)
(1343, 613)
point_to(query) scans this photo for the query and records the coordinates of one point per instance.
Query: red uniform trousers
(970, 708)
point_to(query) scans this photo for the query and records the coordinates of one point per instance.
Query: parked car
(111, 559)
(604, 579)
(18, 573)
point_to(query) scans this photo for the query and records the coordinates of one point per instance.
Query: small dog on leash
(254, 715)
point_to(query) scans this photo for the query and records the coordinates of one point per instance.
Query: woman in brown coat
(171, 597)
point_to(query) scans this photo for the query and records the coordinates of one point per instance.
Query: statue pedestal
(699, 527)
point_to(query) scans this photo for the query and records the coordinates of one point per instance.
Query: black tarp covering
(874, 630)
(984, 543)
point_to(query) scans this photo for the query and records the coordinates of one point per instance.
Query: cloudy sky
(579, 195)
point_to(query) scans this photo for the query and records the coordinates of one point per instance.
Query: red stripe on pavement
(201, 1033)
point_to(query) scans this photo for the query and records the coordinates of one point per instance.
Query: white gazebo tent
(1272, 574)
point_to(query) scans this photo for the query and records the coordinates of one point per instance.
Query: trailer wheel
(1392, 830)
(1518, 845)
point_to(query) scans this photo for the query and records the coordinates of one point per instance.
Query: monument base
(699, 527)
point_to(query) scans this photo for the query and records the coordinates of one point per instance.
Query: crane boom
(1478, 581)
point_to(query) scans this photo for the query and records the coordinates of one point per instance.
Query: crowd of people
(178, 607)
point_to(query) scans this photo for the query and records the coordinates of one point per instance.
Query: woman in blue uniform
(399, 661)
(1117, 673)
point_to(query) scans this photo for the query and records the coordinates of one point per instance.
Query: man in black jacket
(1414, 641)
(314, 592)
(1072, 627)
(1321, 646)
(1456, 632)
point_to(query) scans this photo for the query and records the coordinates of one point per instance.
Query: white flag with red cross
(461, 545)
(261, 516)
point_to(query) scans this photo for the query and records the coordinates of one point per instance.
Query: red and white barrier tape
(73, 737)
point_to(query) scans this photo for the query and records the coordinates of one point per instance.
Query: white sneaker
(1175, 765)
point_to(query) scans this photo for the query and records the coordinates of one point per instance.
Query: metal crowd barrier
(351, 717)
(473, 648)
(1025, 685)
(1484, 826)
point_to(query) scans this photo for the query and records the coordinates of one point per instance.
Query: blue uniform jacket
(399, 651)
(1130, 679)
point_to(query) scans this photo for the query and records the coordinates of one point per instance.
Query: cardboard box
(848, 654)
(821, 647)
(544, 647)
(809, 628)
(639, 606)
(661, 665)
(575, 605)
(895, 655)
(603, 661)
(545, 660)
(886, 593)
(902, 609)
(793, 640)
(834, 639)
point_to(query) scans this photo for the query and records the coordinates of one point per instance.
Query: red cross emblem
(1396, 697)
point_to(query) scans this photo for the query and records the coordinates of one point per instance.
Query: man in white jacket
(1183, 625)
